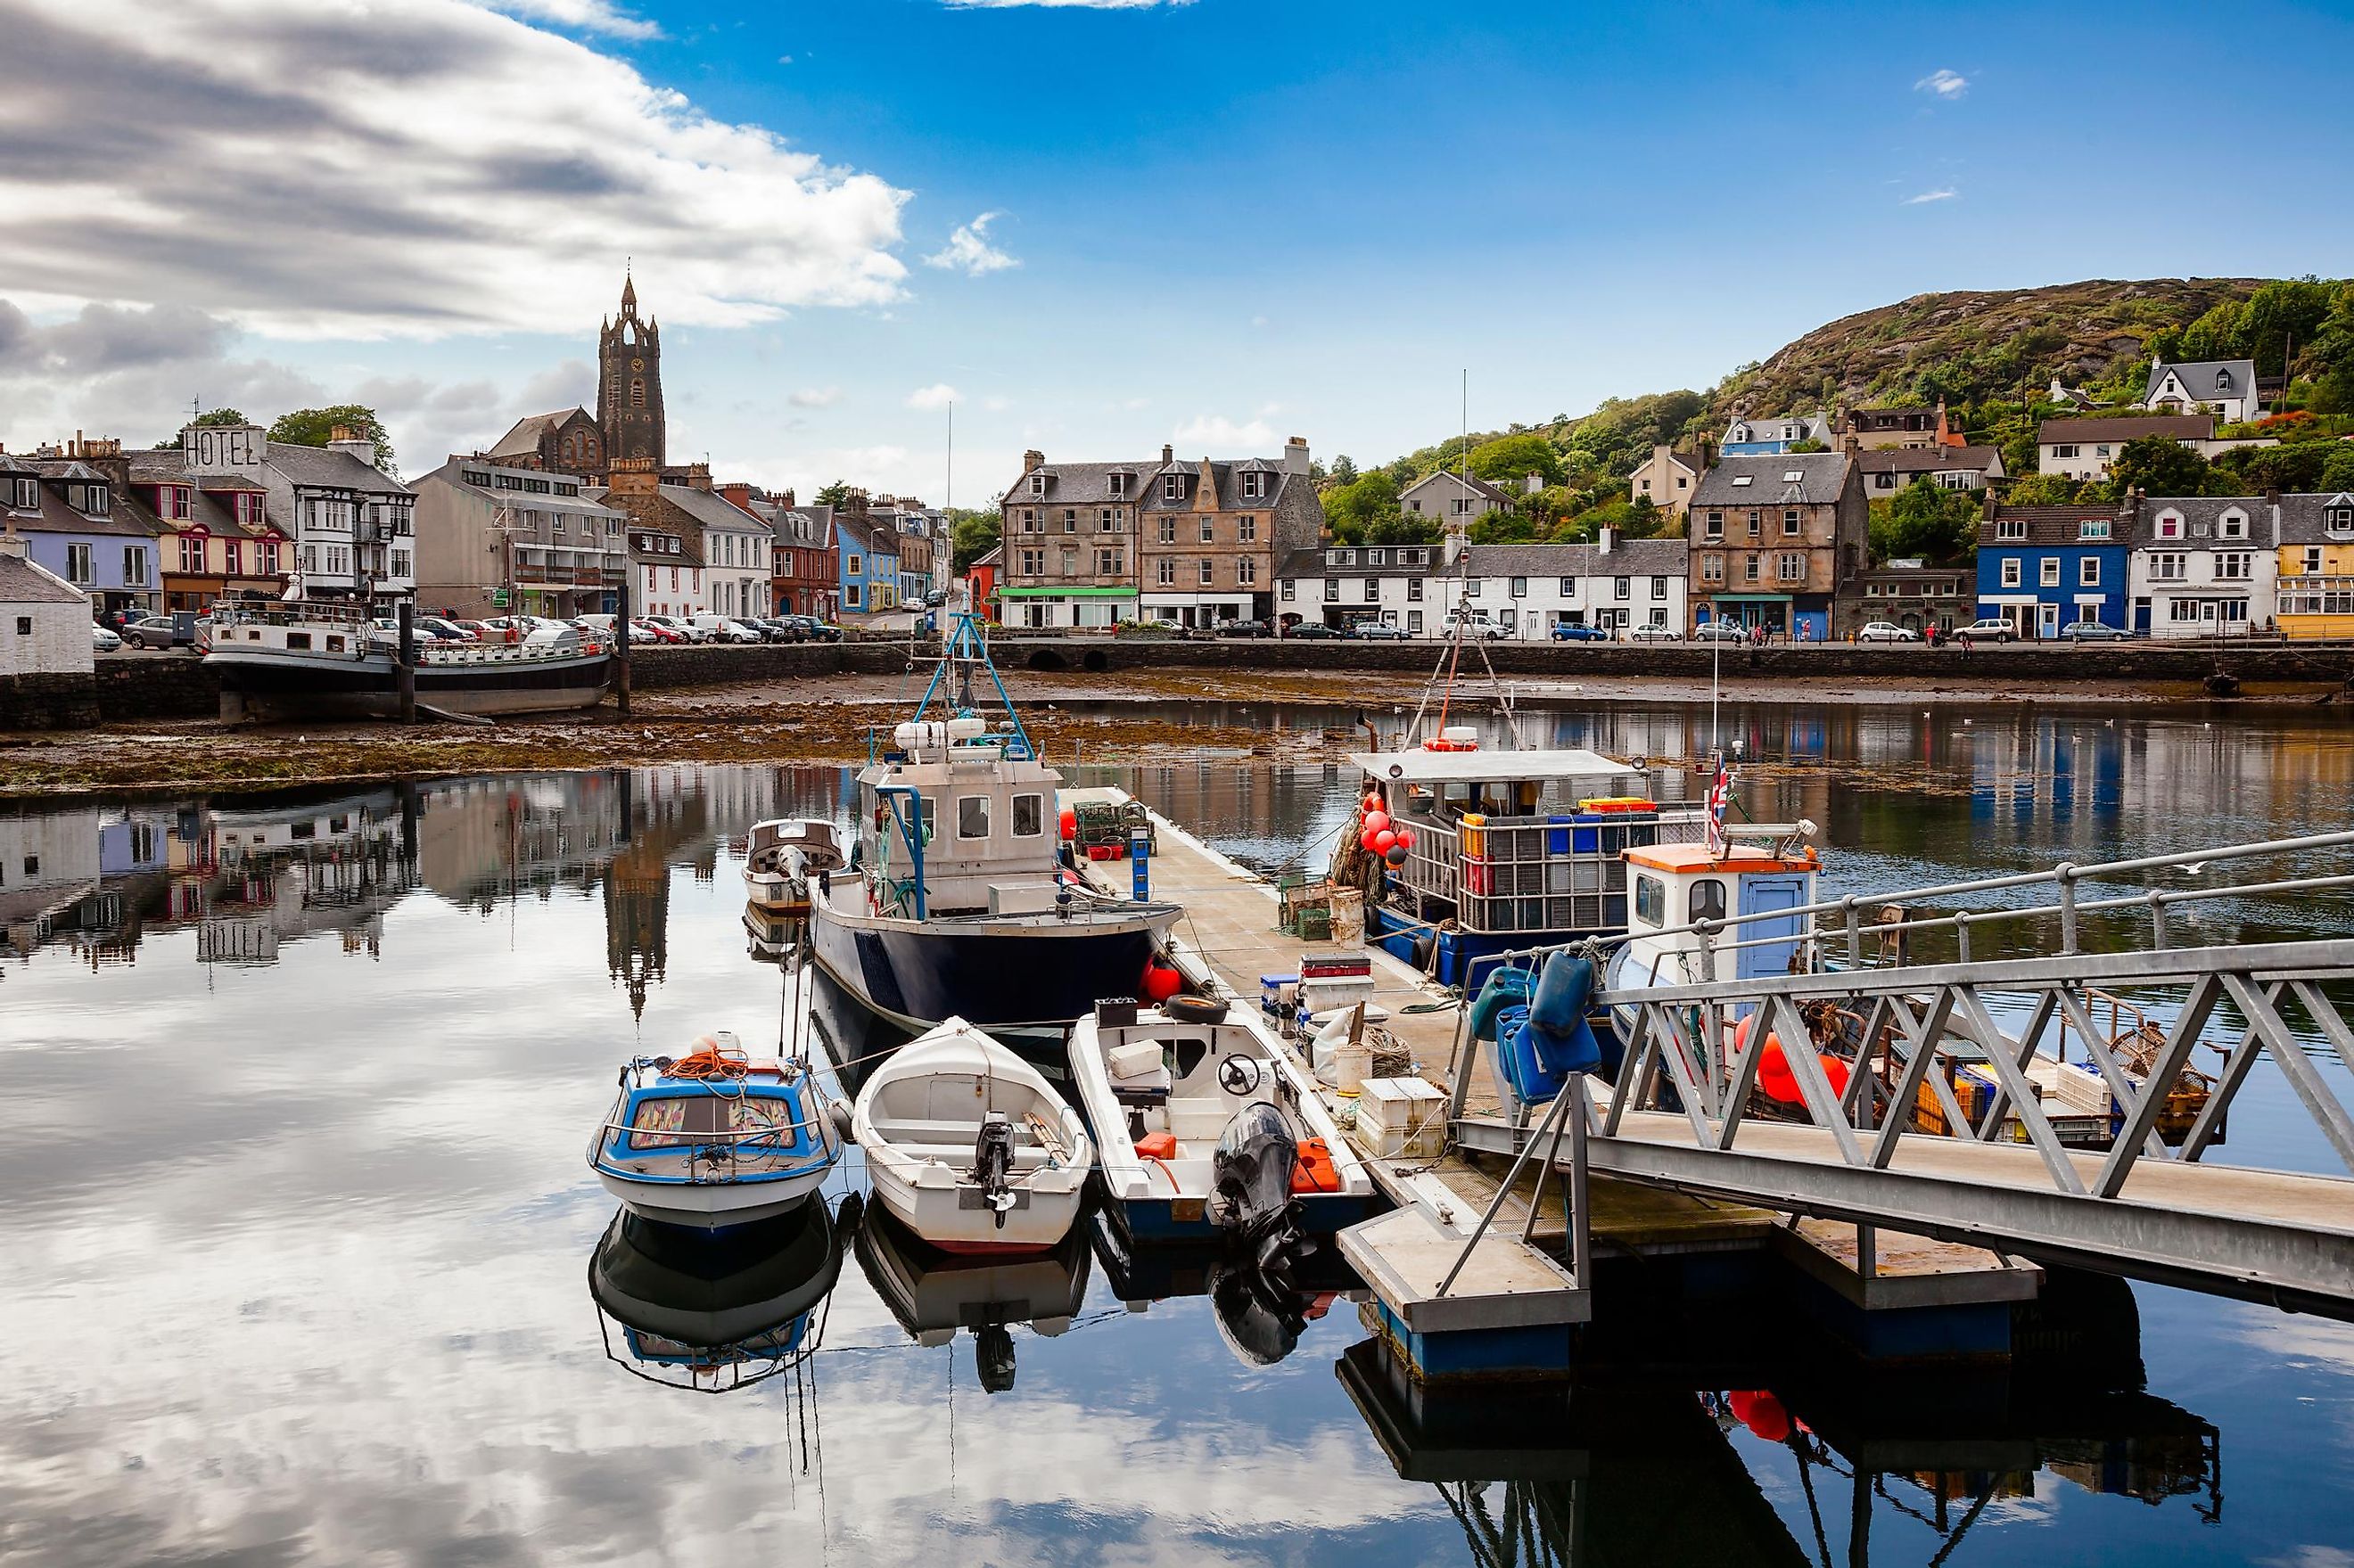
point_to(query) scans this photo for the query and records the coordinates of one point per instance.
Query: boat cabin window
(666, 1121)
(1707, 900)
(1650, 901)
(1029, 816)
(973, 817)
(298, 639)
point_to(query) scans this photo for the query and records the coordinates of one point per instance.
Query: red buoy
(1070, 824)
(1161, 984)
(1763, 1415)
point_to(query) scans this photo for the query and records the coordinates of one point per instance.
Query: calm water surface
(299, 1248)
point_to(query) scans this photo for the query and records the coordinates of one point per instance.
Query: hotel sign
(223, 449)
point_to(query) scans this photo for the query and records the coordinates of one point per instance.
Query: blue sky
(1103, 227)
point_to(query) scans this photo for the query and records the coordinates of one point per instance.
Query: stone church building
(628, 421)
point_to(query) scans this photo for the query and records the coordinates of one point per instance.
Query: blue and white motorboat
(716, 1312)
(715, 1138)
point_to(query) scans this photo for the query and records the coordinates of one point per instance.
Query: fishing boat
(970, 1146)
(779, 856)
(1161, 1093)
(954, 903)
(714, 1311)
(301, 659)
(715, 1138)
(932, 1294)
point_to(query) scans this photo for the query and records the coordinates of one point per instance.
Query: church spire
(628, 291)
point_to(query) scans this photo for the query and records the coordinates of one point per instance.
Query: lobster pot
(1347, 917)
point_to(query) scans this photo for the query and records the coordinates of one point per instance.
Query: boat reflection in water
(770, 937)
(1604, 1467)
(1260, 1317)
(933, 1294)
(715, 1312)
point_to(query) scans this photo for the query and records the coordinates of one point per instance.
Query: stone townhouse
(665, 540)
(1069, 533)
(1211, 533)
(495, 538)
(1777, 540)
(1913, 593)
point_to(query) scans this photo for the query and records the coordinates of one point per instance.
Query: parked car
(773, 629)
(645, 629)
(818, 630)
(1478, 622)
(687, 630)
(1378, 630)
(1243, 629)
(1719, 632)
(1578, 631)
(2094, 631)
(177, 630)
(102, 640)
(1886, 632)
(448, 631)
(725, 628)
(1994, 629)
(1314, 629)
(936, 597)
(1653, 634)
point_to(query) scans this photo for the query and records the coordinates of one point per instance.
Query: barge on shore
(304, 659)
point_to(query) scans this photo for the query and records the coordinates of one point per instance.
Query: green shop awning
(1066, 593)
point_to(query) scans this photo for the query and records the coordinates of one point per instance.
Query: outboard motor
(1251, 1185)
(992, 1164)
(992, 1355)
(1260, 1321)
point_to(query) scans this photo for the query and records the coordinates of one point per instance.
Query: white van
(711, 627)
(1477, 622)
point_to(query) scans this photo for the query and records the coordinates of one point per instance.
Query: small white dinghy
(1162, 1092)
(969, 1147)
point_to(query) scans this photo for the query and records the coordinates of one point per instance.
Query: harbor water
(302, 1262)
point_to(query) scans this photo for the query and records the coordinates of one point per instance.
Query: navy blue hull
(1044, 974)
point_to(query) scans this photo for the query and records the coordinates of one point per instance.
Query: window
(1290, 590)
(268, 557)
(2166, 567)
(1331, 591)
(1246, 529)
(78, 569)
(1749, 568)
(310, 559)
(1414, 591)
(1029, 520)
(1471, 588)
(1790, 523)
(1209, 534)
(2234, 526)
(2312, 559)
(1740, 480)
(854, 565)
(1070, 562)
(1116, 483)
(1029, 816)
(1518, 587)
(1569, 588)
(2234, 566)
(1034, 563)
(1247, 571)
(1707, 901)
(1168, 572)
(2088, 572)
(1754, 516)
(973, 817)
(1462, 506)
(1037, 485)
(134, 565)
(2169, 528)
(1070, 519)
(1413, 623)
(1712, 569)
(2046, 571)
(2063, 451)
(1209, 570)
(24, 493)
(1110, 564)
(1173, 487)
(24, 626)
(1106, 520)
(2339, 519)
(2010, 530)
(1252, 485)
(1794, 568)
(192, 553)
(1716, 524)
(1622, 589)
(233, 557)
(2010, 571)
(1650, 901)
(2093, 528)
(637, 393)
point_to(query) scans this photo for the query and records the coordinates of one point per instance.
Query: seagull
(2190, 867)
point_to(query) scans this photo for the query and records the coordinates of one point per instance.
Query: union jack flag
(1720, 795)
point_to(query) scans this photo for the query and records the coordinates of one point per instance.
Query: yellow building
(2317, 567)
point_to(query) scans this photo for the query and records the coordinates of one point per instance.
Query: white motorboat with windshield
(970, 1146)
(779, 857)
(715, 1138)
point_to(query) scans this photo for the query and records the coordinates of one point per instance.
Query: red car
(655, 632)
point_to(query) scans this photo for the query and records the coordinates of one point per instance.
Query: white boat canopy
(1503, 765)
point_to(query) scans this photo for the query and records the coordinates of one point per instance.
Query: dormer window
(2236, 527)
(1254, 486)
(2093, 528)
(2339, 519)
(1116, 482)
(1173, 487)
(1037, 485)
(25, 494)
(2223, 381)
(2169, 528)
(95, 501)
(2010, 531)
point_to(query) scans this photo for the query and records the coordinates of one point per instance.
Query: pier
(1911, 1245)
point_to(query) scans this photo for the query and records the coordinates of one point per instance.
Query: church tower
(629, 382)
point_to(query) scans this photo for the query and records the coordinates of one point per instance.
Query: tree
(972, 535)
(2159, 465)
(1506, 461)
(1352, 510)
(2337, 472)
(1344, 468)
(220, 416)
(1397, 528)
(2043, 490)
(1926, 520)
(316, 427)
(835, 494)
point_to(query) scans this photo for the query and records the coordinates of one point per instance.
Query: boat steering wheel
(1239, 1074)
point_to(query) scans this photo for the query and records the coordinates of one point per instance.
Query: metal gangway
(2150, 1204)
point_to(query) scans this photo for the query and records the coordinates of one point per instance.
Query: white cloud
(440, 168)
(996, 405)
(1944, 192)
(581, 16)
(816, 397)
(1215, 435)
(1943, 83)
(572, 385)
(939, 394)
(970, 252)
(784, 60)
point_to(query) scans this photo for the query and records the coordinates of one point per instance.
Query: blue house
(1778, 435)
(2040, 568)
(869, 565)
(67, 511)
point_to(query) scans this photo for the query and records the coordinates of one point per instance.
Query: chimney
(1706, 449)
(1458, 539)
(1032, 461)
(632, 476)
(1606, 540)
(698, 476)
(1531, 483)
(787, 500)
(1851, 443)
(344, 439)
(1295, 455)
(1168, 453)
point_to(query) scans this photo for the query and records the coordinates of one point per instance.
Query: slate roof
(2202, 510)
(1929, 459)
(1224, 474)
(22, 582)
(1084, 484)
(2199, 379)
(817, 533)
(522, 439)
(2181, 427)
(1628, 558)
(1310, 563)
(1471, 481)
(125, 517)
(2053, 525)
(708, 508)
(1821, 477)
(317, 467)
(1810, 428)
(2304, 518)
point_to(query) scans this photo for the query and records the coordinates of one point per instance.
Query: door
(2047, 621)
(1761, 895)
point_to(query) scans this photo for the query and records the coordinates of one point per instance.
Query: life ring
(1195, 1009)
